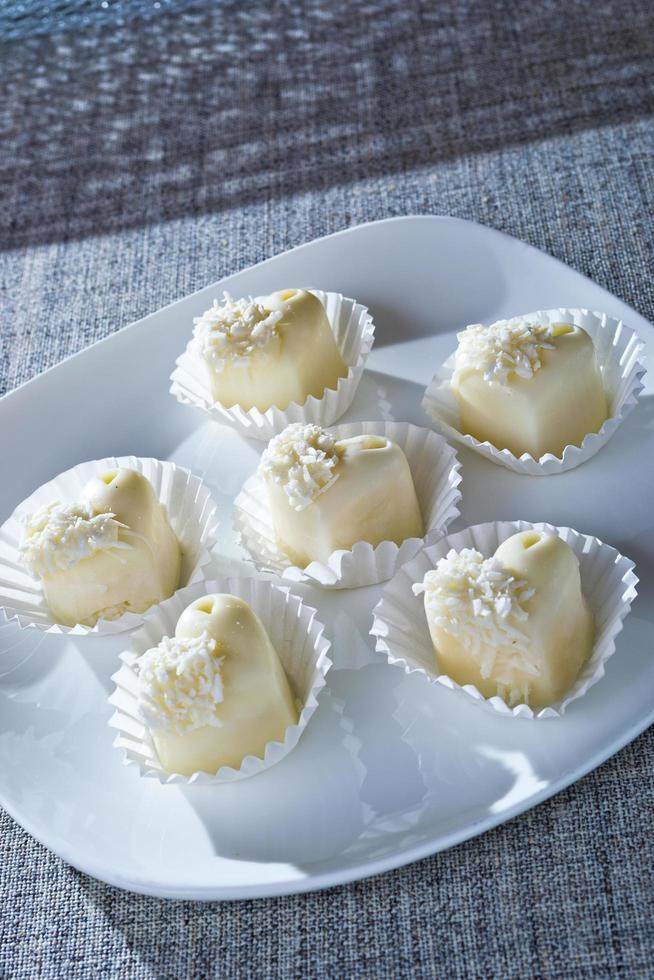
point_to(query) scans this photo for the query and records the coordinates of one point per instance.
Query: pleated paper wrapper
(400, 625)
(354, 331)
(618, 349)
(435, 470)
(297, 636)
(191, 512)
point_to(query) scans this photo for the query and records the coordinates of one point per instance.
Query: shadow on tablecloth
(208, 106)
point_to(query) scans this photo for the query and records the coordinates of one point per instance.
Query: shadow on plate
(402, 758)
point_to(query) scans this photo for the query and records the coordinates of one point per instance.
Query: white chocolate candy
(514, 625)
(326, 495)
(217, 691)
(112, 552)
(272, 350)
(528, 388)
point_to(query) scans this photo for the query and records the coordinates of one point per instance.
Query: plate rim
(401, 856)
(352, 229)
(344, 876)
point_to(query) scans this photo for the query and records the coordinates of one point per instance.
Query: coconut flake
(478, 601)
(59, 536)
(180, 686)
(506, 348)
(233, 330)
(302, 459)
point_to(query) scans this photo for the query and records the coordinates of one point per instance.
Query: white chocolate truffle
(215, 692)
(110, 553)
(326, 495)
(528, 388)
(514, 625)
(272, 350)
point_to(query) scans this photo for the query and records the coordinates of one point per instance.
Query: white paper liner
(400, 625)
(435, 471)
(354, 331)
(618, 349)
(191, 512)
(297, 636)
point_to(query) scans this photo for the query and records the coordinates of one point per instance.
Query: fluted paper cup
(435, 470)
(297, 636)
(354, 331)
(400, 625)
(191, 512)
(618, 349)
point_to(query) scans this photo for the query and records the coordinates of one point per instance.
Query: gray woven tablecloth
(152, 148)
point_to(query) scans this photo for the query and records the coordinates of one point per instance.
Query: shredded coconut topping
(505, 348)
(180, 685)
(302, 460)
(59, 536)
(233, 329)
(476, 600)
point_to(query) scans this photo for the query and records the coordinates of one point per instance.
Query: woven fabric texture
(146, 157)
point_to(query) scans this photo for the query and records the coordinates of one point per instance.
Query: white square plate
(390, 769)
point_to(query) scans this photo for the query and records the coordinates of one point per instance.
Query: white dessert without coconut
(527, 387)
(111, 552)
(514, 625)
(216, 691)
(327, 494)
(269, 350)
